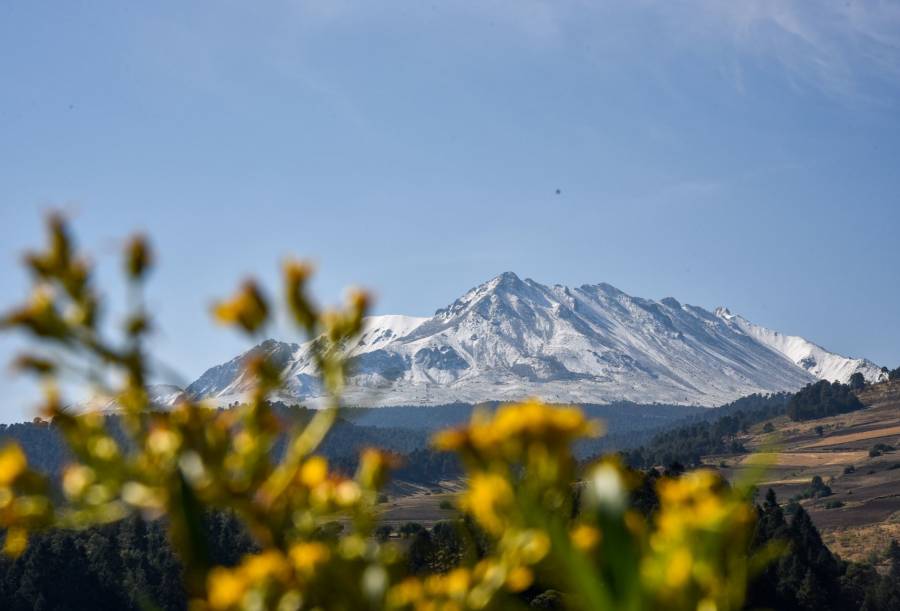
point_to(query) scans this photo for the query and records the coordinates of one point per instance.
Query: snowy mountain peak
(509, 338)
(507, 278)
(503, 287)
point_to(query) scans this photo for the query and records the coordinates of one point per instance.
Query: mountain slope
(809, 356)
(510, 338)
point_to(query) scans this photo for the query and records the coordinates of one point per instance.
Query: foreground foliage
(177, 466)
(127, 564)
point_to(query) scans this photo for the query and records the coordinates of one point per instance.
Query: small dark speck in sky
(558, 192)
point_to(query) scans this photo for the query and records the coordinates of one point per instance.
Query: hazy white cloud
(832, 46)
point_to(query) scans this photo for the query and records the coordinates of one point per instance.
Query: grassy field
(420, 504)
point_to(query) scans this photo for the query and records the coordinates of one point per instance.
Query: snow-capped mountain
(510, 338)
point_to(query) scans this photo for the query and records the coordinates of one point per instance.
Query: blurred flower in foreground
(536, 522)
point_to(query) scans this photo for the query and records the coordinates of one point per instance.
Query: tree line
(715, 433)
(823, 399)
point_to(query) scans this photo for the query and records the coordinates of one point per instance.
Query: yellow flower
(489, 495)
(104, 448)
(405, 593)
(139, 495)
(347, 493)
(12, 463)
(514, 427)
(76, 478)
(687, 487)
(226, 588)
(307, 556)
(585, 537)
(519, 578)
(16, 541)
(163, 441)
(535, 546)
(450, 440)
(265, 565)
(6, 497)
(314, 471)
(457, 582)
(679, 569)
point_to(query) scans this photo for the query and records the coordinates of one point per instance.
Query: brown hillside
(867, 487)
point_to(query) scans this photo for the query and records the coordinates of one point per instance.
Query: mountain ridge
(509, 338)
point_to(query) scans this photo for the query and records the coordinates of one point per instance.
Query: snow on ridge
(805, 354)
(385, 328)
(164, 395)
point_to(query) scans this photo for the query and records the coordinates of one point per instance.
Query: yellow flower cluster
(269, 579)
(447, 592)
(514, 429)
(489, 498)
(12, 465)
(23, 502)
(698, 549)
(585, 537)
(520, 471)
(474, 588)
(327, 492)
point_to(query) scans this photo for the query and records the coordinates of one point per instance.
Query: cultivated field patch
(851, 437)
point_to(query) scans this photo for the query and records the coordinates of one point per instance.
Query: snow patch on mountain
(165, 395)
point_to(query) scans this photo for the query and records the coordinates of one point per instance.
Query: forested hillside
(619, 416)
(120, 566)
(714, 432)
(46, 450)
(403, 430)
(823, 399)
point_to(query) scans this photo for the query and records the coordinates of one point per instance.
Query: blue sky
(741, 154)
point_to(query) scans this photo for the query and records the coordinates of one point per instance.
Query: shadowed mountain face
(511, 338)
